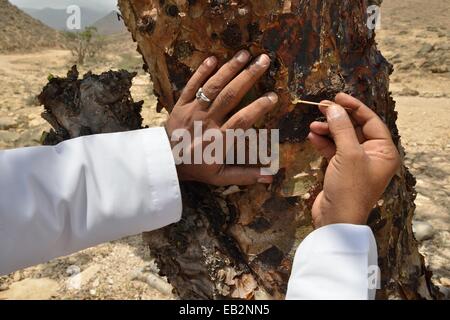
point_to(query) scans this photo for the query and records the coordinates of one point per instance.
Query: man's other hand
(362, 161)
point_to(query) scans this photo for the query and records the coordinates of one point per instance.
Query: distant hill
(21, 32)
(110, 24)
(57, 18)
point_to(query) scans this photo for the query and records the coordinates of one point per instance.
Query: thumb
(341, 128)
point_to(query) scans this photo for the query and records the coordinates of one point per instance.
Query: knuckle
(188, 120)
(203, 70)
(229, 95)
(253, 71)
(213, 89)
(391, 153)
(267, 104)
(234, 66)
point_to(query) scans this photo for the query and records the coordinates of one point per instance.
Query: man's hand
(362, 161)
(226, 89)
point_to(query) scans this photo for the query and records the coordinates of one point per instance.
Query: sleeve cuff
(84, 192)
(336, 262)
(164, 188)
(344, 238)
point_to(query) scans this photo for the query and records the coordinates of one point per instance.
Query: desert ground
(414, 37)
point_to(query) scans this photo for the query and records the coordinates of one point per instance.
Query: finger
(320, 128)
(323, 129)
(324, 146)
(341, 128)
(240, 176)
(217, 82)
(372, 125)
(248, 116)
(198, 79)
(233, 93)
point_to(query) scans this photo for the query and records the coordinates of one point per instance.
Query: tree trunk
(239, 243)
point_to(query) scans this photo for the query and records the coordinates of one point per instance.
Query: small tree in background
(85, 44)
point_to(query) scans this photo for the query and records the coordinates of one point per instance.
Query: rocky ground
(118, 270)
(415, 37)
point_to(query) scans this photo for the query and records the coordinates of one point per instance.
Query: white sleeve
(336, 262)
(58, 200)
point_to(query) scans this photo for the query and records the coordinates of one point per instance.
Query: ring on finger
(201, 96)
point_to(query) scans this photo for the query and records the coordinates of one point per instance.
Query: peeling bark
(240, 243)
(91, 105)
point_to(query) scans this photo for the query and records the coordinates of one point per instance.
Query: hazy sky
(58, 4)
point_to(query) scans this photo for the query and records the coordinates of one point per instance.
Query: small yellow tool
(312, 103)
(298, 101)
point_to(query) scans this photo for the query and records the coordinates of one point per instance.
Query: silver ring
(201, 96)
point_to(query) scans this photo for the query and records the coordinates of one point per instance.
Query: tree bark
(240, 243)
(94, 104)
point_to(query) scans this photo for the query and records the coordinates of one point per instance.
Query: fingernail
(272, 96)
(263, 60)
(335, 112)
(242, 56)
(265, 180)
(211, 61)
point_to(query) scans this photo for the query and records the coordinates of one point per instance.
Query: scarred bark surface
(241, 244)
(94, 104)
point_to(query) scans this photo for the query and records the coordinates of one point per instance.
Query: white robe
(55, 201)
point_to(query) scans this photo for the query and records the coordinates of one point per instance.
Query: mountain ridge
(110, 24)
(21, 32)
(57, 18)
